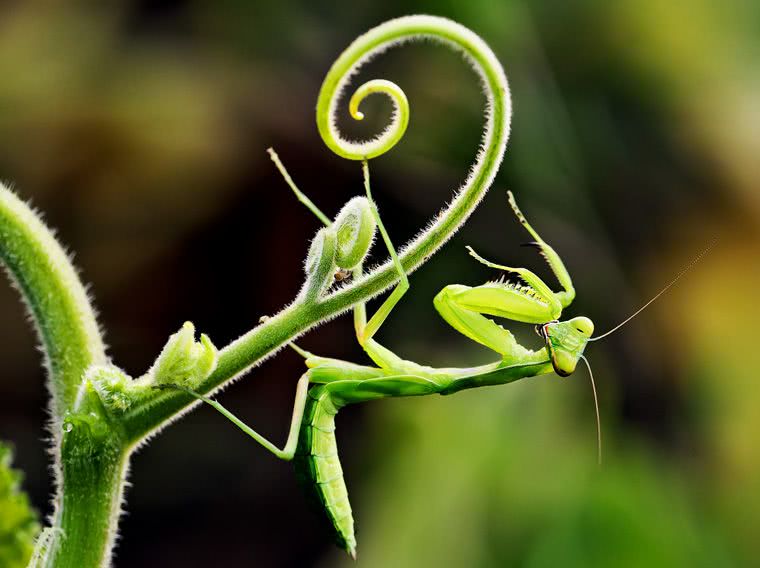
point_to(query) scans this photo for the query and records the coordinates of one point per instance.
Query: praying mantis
(330, 384)
(338, 252)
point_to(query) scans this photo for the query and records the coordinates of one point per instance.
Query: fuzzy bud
(184, 360)
(320, 262)
(111, 385)
(355, 229)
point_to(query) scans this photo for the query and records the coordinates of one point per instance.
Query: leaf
(18, 521)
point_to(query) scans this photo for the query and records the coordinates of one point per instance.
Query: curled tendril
(327, 108)
(393, 132)
(490, 154)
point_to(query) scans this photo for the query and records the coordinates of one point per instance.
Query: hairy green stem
(94, 472)
(89, 477)
(94, 460)
(55, 297)
(245, 352)
(92, 454)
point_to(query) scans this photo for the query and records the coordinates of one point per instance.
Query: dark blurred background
(140, 129)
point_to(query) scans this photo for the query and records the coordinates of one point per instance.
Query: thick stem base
(94, 460)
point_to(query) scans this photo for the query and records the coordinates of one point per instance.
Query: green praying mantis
(100, 414)
(340, 248)
(329, 384)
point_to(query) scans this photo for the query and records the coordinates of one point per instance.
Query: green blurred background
(140, 129)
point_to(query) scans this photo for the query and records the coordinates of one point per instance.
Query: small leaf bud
(355, 228)
(184, 360)
(320, 263)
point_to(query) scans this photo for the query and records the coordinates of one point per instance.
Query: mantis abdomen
(318, 468)
(316, 457)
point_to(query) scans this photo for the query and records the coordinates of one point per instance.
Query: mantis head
(565, 342)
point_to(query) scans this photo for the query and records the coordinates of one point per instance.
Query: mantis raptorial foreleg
(463, 306)
(538, 285)
(471, 323)
(555, 262)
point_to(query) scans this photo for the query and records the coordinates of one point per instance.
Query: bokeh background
(140, 129)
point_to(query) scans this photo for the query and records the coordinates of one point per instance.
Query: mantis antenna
(621, 324)
(596, 408)
(660, 293)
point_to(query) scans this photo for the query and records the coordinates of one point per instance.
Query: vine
(100, 415)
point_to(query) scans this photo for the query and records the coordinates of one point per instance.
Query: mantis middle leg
(365, 330)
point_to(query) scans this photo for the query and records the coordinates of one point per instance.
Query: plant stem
(248, 350)
(89, 481)
(94, 460)
(92, 454)
(55, 297)
(93, 485)
(234, 360)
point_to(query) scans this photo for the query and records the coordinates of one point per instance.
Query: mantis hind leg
(288, 451)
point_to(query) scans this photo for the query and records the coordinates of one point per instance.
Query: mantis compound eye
(355, 228)
(564, 363)
(583, 325)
